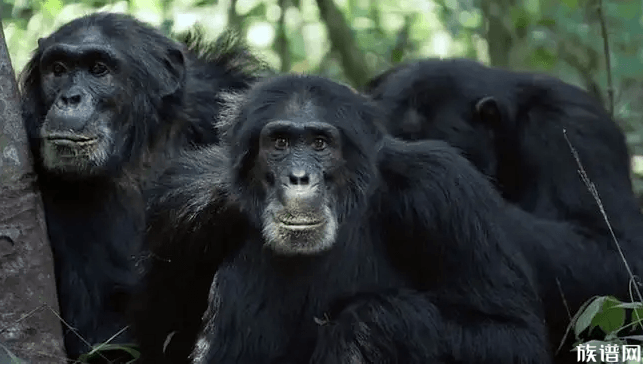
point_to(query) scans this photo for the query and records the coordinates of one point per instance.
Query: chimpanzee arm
(192, 194)
(447, 230)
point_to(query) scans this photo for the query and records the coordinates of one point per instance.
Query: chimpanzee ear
(488, 111)
(175, 66)
(40, 42)
(412, 122)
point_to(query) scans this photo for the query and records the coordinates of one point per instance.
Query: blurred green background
(559, 37)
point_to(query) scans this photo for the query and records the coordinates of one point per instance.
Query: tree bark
(282, 45)
(499, 38)
(29, 326)
(344, 43)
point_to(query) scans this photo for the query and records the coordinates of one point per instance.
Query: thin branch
(569, 51)
(74, 331)
(592, 189)
(324, 64)
(234, 20)
(168, 22)
(608, 62)
(402, 41)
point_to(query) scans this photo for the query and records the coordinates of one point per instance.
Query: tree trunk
(344, 43)
(29, 326)
(282, 45)
(498, 36)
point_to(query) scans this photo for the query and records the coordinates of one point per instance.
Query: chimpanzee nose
(299, 177)
(70, 98)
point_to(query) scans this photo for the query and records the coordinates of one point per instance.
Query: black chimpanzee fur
(106, 99)
(510, 125)
(331, 242)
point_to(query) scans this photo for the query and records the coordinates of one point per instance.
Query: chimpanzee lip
(68, 138)
(301, 224)
(71, 138)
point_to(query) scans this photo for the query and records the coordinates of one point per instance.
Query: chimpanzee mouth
(301, 225)
(71, 139)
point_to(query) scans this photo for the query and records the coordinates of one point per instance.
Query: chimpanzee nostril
(71, 97)
(72, 100)
(299, 177)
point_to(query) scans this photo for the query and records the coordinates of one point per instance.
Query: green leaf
(202, 3)
(533, 7)
(584, 320)
(637, 316)
(638, 338)
(521, 20)
(570, 3)
(611, 317)
(626, 9)
(97, 350)
(633, 305)
(543, 59)
(52, 7)
(258, 11)
(546, 22)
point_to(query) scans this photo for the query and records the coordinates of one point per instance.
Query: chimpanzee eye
(319, 144)
(281, 143)
(58, 68)
(98, 69)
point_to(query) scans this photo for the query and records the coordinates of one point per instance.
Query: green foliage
(607, 314)
(119, 354)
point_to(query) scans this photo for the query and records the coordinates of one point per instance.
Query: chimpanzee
(331, 242)
(106, 99)
(517, 128)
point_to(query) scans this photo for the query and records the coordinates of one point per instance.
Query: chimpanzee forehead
(91, 35)
(301, 130)
(92, 44)
(299, 91)
(307, 98)
(299, 106)
(304, 110)
(82, 36)
(292, 106)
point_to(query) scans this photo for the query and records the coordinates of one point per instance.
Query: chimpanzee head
(95, 91)
(451, 100)
(305, 149)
